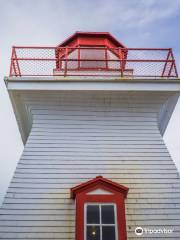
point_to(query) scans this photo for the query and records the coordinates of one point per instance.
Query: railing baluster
(79, 58)
(106, 58)
(11, 66)
(66, 62)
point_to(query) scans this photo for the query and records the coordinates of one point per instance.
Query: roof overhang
(52, 84)
(19, 85)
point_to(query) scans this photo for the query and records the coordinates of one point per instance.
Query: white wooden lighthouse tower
(92, 114)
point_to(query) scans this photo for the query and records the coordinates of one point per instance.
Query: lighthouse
(92, 113)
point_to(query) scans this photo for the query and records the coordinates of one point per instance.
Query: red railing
(93, 61)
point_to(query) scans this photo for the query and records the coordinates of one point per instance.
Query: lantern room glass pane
(93, 55)
(108, 233)
(93, 215)
(107, 212)
(93, 233)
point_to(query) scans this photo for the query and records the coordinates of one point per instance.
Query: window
(100, 210)
(100, 221)
(94, 55)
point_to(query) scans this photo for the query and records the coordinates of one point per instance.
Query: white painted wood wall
(78, 135)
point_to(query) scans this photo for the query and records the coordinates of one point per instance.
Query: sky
(136, 23)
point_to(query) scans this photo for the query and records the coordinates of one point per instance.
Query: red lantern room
(90, 51)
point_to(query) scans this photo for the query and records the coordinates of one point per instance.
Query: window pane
(107, 214)
(108, 233)
(93, 233)
(92, 214)
(92, 54)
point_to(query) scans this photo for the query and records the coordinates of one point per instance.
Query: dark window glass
(92, 214)
(93, 233)
(108, 233)
(107, 212)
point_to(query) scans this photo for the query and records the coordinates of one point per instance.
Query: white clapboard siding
(89, 165)
(77, 136)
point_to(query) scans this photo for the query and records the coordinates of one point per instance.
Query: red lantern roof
(97, 39)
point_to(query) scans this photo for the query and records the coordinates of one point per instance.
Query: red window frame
(117, 196)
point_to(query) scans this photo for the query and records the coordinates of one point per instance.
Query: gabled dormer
(100, 210)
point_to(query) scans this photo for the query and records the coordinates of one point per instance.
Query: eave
(20, 85)
(90, 84)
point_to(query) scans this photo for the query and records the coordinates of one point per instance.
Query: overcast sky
(136, 23)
